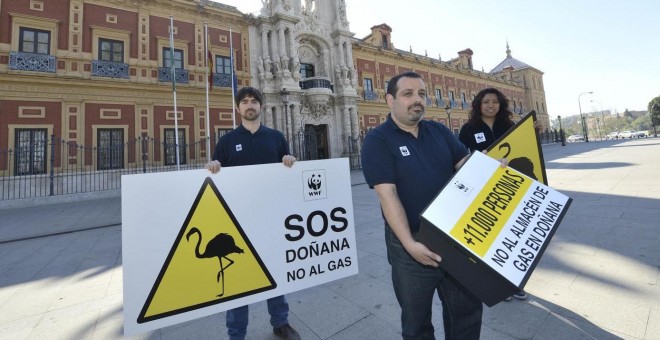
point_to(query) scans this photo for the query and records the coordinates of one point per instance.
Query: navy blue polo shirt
(419, 167)
(479, 136)
(241, 147)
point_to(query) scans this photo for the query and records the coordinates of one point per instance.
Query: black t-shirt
(241, 147)
(479, 136)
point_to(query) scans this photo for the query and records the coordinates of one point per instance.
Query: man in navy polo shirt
(407, 161)
(249, 144)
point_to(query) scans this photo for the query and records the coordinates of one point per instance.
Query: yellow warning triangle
(211, 261)
(521, 146)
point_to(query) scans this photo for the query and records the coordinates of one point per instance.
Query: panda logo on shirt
(479, 137)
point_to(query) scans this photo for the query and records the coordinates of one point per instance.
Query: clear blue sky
(609, 47)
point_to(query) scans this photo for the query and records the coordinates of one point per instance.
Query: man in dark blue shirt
(249, 144)
(407, 160)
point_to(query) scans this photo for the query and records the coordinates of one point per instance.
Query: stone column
(346, 128)
(355, 127)
(340, 50)
(295, 128)
(264, 43)
(293, 48)
(282, 41)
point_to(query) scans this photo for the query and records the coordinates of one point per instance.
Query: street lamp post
(584, 125)
(285, 100)
(602, 118)
(448, 108)
(561, 132)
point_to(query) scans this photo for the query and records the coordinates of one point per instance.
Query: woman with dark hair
(489, 120)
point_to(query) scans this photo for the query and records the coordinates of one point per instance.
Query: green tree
(642, 123)
(654, 112)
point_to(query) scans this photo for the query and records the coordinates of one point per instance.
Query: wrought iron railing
(36, 62)
(316, 82)
(221, 80)
(354, 145)
(370, 95)
(109, 69)
(63, 167)
(165, 75)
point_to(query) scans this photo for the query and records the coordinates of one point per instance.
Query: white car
(626, 134)
(575, 138)
(612, 135)
(640, 134)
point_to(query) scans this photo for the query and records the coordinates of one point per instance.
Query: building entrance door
(313, 142)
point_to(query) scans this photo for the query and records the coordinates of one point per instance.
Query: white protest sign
(499, 215)
(195, 244)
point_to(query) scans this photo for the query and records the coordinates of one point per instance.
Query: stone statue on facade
(287, 5)
(267, 65)
(308, 7)
(344, 74)
(325, 64)
(277, 67)
(338, 74)
(266, 7)
(353, 76)
(342, 12)
(267, 68)
(260, 68)
(284, 62)
(295, 69)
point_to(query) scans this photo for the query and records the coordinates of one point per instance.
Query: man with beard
(249, 144)
(407, 161)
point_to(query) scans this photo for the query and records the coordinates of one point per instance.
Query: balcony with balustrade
(35, 62)
(221, 80)
(109, 69)
(371, 96)
(165, 75)
(316, 83)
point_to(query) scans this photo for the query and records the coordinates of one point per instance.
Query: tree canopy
(654, 109)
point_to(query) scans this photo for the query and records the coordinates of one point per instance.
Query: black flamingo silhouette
(220, 246)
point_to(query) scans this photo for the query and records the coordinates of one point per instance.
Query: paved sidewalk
(599, 278)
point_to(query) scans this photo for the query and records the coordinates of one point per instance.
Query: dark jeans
(237, 318)
(415, 285)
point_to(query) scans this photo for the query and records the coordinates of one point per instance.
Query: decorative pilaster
(346, 128)
(355, 129)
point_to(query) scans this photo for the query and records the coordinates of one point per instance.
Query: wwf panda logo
(314, 182)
